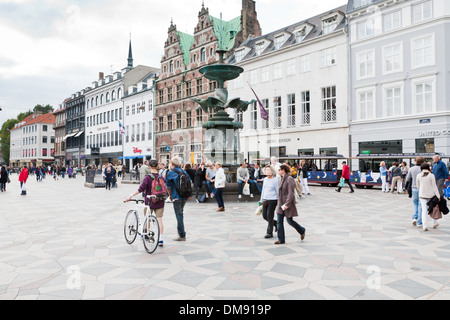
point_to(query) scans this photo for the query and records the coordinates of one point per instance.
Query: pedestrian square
(65, 241)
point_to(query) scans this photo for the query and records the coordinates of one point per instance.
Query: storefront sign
(136, 150)
(425, 121)
(436, 133)
(279, 140)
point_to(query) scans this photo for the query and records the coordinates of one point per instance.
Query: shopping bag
(246, 190)
(298, 188)
(447, 190)
(342, 183)
(259, 210)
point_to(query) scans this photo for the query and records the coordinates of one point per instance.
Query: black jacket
(200, 176)
(436, 202)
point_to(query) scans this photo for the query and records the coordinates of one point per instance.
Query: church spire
(130, 56)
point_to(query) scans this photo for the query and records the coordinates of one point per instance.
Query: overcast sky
(50, 49)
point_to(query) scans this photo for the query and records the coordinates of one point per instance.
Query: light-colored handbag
(436, 214)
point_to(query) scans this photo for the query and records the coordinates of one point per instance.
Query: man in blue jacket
(440, 172)
(172, 182)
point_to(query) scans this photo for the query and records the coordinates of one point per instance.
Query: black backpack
(184, 188)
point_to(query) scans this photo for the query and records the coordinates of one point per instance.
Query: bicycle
(149, 231)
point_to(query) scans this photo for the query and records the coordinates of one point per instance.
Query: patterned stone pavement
(64, 241)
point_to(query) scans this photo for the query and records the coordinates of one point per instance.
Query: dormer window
(240, 55)
(329, 24)
(279, 41)
(300, 35)
(259, 48)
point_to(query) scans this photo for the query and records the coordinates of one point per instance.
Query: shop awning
(79, 134)
(69, 135)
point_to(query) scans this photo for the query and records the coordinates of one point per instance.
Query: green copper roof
(226, 32)
(186, 41)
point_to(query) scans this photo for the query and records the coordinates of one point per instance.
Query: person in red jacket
(23, 177)
(346, 176)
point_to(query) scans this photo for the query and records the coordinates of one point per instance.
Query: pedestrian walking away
(4, 178)
(440, 172)
(286, 205)
(304, 177)
(346, 177)
(396, 177)
(426, 183)
(384, 173)
(23, 177)
(269, 200)
(200, 181)
(220, 181)
(154, 185)
(412, 179)
(178, 194)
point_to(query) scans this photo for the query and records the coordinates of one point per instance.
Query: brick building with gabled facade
(178, 127)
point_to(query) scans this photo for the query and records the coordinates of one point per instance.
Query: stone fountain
(222, 140)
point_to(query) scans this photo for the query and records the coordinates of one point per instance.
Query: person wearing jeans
(440, 172)
(412, 179)
(178, 201)
(220, 181)
(384, 173)
(426, 183)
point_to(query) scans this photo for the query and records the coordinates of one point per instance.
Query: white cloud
(67, 42)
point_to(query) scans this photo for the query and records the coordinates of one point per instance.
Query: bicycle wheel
(151, 234)
(131, 226)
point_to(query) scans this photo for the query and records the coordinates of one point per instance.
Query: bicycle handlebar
(142, 201)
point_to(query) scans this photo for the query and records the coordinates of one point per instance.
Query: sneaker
(425, 229)
(251, 196)
(436, 226)
(414, 223)
(212, 195)
(180, 239)
(161, 243)
(240, 196)
(207, 196)
(196, 200)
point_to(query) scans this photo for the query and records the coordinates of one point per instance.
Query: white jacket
(220, 179)
(427, 185)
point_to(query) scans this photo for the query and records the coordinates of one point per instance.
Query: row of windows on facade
(34, 140)
(393, 20)
(293, 119)
(104, 98)
(171, 68)
(327, 58)
(104, 140)
(104, 117)
(167, 123)
(167, 95)
(393, 58)
(29, 153)
(31, 129)
(423, 94)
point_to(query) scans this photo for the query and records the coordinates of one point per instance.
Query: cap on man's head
(344, 162)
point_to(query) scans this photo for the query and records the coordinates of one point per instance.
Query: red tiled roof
(32, 119)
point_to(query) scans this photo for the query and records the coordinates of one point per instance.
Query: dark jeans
(197, 189)
(349, 184)
(210, 187)
(218, 195)
(292, 223)
(256, 184)
(241, 186)
(269, 214)
(178, 207)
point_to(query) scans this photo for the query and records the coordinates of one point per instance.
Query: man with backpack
(155, 185)
(179, 186)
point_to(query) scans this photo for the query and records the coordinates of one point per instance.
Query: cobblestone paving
(64, 241)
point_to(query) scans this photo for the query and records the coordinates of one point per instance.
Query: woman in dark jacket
(286, 204)
(199, 178)
(3, 178)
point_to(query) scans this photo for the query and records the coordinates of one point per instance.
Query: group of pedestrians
(279, 196)
(425, 182)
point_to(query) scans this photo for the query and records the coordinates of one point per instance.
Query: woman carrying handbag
(269, 199)
(286, 205)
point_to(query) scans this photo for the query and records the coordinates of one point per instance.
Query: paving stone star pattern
(64, 241)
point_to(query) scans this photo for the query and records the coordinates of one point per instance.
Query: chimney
(250, 26)
(101, 76)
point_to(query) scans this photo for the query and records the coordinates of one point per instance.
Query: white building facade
(33, 141)
(300, 75)
(399, 77)
(138, 121)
